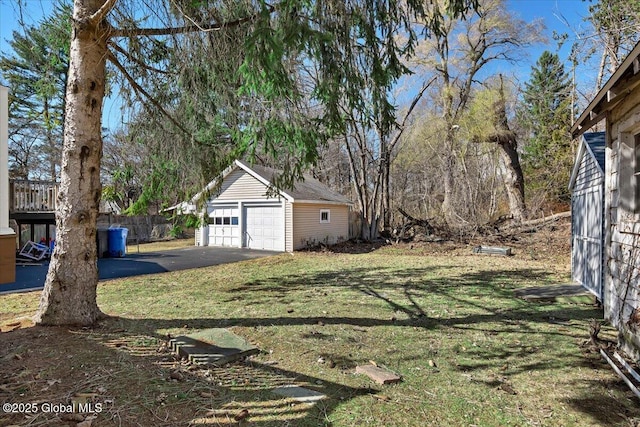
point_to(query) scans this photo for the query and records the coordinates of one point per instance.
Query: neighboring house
(241, 209)
(618, 105)
(587, 214)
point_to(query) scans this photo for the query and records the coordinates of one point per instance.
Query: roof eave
(605, 100)
(322, 202)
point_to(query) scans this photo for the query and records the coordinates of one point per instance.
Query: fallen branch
(415, 221)
(532, 223)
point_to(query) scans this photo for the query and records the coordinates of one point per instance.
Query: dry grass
(159, 245)
(468, 351)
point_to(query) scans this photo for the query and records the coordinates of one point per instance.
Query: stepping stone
(378, 374)
(299, 394)
(215, 346)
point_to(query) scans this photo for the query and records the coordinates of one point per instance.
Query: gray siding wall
(589, 174)
(623, 236)
(309, 231)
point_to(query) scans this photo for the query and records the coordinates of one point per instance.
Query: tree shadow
(599, 404)
(406, 293)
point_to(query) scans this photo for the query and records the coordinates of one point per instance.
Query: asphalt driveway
(32, 277)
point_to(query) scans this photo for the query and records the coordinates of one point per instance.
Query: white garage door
(224, 227)
(264, 227)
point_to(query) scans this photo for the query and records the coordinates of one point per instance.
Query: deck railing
(32, 196)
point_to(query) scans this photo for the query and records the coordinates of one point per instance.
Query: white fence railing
(32, 196)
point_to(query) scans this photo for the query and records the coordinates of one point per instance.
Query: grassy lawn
(469, 352)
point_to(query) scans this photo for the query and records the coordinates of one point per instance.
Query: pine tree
(315, 33)
(36, 72)
(546, 116)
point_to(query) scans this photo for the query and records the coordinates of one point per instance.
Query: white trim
(4, 162)
(582, 150)
(249, 201)
(324, 202)
(577, 163)
(328, 212)
(260, 178)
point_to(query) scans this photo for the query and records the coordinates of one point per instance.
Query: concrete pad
(299, 394)
(215, 346)
(566, 292)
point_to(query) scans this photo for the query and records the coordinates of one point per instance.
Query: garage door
(264, 227)
(586, 212)
(224, 227)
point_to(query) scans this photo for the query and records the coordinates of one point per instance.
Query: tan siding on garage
(308, 230)
(239, 185)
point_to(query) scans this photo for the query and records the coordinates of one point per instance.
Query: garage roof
(308, 191)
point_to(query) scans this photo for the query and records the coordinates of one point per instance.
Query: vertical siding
(239, 185)
(309, 231)
(587, 210)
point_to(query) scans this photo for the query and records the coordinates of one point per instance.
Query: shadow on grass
(481, 301)
(137, 385)
(599, 404)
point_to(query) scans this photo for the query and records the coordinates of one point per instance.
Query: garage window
(224, 220)
(325, 216)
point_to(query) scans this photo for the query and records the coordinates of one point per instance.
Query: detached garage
(240, 211)
(587, 214)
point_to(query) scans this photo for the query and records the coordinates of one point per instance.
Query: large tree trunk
(513, 178)
(69, 295)
(448, 185)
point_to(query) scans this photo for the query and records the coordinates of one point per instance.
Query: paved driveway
(32, 277)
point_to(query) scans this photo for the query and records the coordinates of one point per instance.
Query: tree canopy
(546, 116)
(278, 37)
(36, 71)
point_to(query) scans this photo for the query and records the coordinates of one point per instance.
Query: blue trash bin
(117, 241)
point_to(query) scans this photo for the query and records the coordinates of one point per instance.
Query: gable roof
(593, 144)
(310, 190)
(596, 143)
(620, 84)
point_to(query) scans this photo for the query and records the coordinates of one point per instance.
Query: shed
(587, 214)
(617, 106)
(243, 210)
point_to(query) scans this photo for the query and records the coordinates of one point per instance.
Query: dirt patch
(62, 377)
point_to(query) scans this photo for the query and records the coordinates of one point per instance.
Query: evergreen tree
(314, 33)
(546, 116)
(36, 73)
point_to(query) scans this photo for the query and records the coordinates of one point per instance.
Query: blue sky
(563, 16)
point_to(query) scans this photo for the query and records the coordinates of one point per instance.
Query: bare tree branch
(100, 14)
(402, 126)
(133, 32)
